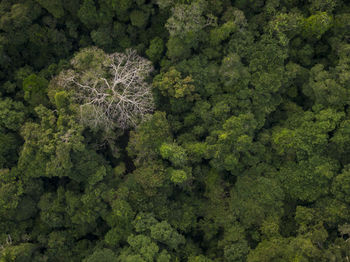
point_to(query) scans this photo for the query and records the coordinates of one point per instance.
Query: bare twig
(119, 96)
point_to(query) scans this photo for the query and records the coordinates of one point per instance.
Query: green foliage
(234, 245)
(172, 84)
(61, 136)
(103, 255)
(21, 253)
(254, 199)
(88, 13)
(53, 7)
(174, 153)
(35, 90)
(188, 19)
(178, 49)
(155, 50)
(309, 179)
(222, 33)
(61, 100)
(297, 249)
(324, 89)
(200, 258)
(89, 59)
(102, 37)
(316, 25)
(323, 5)
(144, 247)
(8, 151)
(178, 176)
(233, 73)
(150, 177)
(341, 184)
(10, 193)
(243, 157)
(286, 26)
(139, 18)
(12, 114)
(163, 233)
(120, 169)
(145, 142)
(233, 141)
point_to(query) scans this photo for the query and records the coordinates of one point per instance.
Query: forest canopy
(184, 130)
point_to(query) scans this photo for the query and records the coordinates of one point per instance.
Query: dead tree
(111, 89)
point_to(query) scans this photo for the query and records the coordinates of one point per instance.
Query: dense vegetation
(245, 155)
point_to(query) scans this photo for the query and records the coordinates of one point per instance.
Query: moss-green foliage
(316, 25)
(246, 156)
(171, 84)
(35, 90)
(155, 50)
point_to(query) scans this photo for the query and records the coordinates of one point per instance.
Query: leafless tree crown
(112, 92)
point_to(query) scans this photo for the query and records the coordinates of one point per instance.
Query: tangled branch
(112, 93)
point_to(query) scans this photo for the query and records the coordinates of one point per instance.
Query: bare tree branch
(117, 95)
